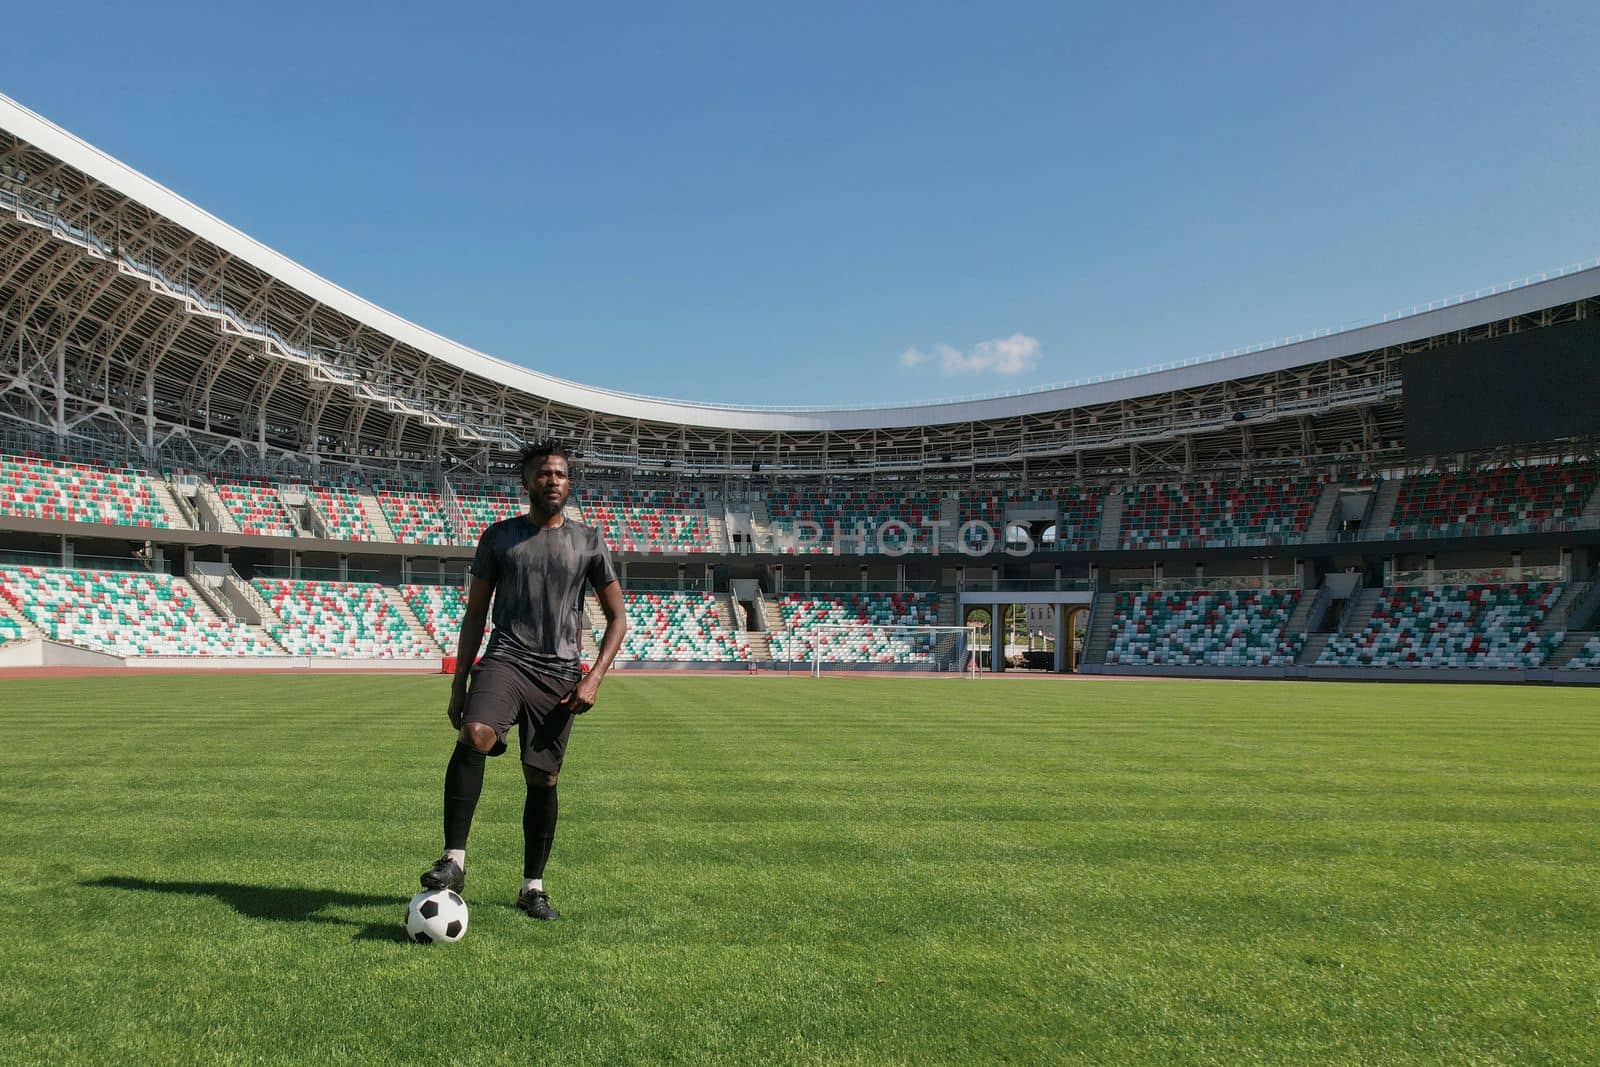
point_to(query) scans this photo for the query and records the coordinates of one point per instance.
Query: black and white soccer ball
(436, 915)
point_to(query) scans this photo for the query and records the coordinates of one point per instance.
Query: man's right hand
(458, 703)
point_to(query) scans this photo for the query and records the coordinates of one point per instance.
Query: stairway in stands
(1376, 527)
(1589, 517)
(30, 632)
(1296, 623)
(1357, 615)
(1311, 651)
(1110, 524)
(211, 506)
(1360, 612)
(1570, 646)
(1322, 514)
(760, 643)
(1575, 606)
(1098, 639)
(761, 524)
(375, 517)
(177, 516)
(409, 617)
(206, 599)
(590, 645)
(718, 526)
(243, 590)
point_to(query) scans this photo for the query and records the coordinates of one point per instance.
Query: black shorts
(502, 693)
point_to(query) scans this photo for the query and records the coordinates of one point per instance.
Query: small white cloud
(1016, 354)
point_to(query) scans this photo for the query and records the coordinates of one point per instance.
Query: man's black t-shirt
(538, 575)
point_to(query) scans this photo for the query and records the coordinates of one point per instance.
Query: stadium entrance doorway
(1068, 605)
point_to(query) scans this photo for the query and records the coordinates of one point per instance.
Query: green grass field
(836, 870)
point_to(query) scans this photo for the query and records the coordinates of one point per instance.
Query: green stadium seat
(1212, 628)
(35, 487)
(1452, 626)
(347, 619)
(124, 613)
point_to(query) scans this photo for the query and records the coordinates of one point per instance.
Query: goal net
(875, 647)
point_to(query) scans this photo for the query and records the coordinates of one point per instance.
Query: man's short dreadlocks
(532, 454)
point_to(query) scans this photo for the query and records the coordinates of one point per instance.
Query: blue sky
(855, 203)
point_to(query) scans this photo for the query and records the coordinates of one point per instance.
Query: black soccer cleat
(446, 873)
(536, 902)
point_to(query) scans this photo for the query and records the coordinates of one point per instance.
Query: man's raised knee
(477, 735)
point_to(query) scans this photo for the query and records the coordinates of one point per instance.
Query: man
(534, 566)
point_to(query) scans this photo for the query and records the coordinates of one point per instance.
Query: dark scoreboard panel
(1523, 388)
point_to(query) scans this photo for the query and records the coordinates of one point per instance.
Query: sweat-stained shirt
(538, 575)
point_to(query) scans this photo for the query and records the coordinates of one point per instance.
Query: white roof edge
(76, 152)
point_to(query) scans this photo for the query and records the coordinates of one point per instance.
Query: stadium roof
(114, 214)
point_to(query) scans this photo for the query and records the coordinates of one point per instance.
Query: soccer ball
(436, 915)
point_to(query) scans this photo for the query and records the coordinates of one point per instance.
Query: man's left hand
(582, 698)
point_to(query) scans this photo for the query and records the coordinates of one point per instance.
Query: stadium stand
(856, 513)
(482, 506)
(34, 487)
(10, 630)
(124, 613)
(1452, 626)
(339, 508)
(1492, 502)
(1078, 529)
(1077, 519)
(1587, 659)
(322, 618)
(416, 514)
(1214, 628)
(441, 609)
(255, 505)
(803, 613)
(649, 520)
(683, 626)
(1210, 514)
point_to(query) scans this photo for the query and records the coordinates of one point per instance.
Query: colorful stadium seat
(339, 507)
(1491, 502)
(255, 505)
(1452, 626)
(483, 506)
(1214, 514)
(124, 613)
(417, 515)
(862, 519)
(682, 626)
(649, 520)
(33, 487)
(1587, 659)
(1214, 628)
(441, 609)
(323, 618)
(804, 614)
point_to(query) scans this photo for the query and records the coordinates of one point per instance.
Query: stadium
(193, 420)
(229, 487)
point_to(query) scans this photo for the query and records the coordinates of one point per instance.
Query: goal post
(886, 647)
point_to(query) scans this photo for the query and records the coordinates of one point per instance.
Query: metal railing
(987, 583)
(413, 403)
(1435, 531)
(13, 558)
(1474, 576)
(666, 585)
(856, 585)
(316, 574)
(1219, 583)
